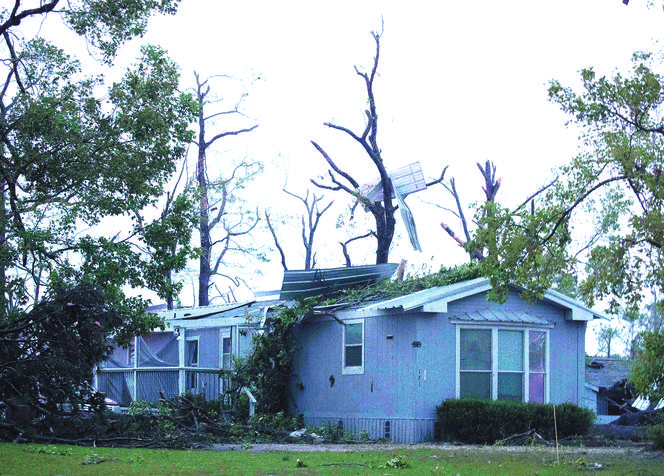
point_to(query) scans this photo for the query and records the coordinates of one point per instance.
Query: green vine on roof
(388, 289)
(269, 370)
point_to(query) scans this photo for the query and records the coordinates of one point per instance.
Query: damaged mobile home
(382, 366)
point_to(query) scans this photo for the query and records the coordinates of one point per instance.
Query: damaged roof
(608, 371)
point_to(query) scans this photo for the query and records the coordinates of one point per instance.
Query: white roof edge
(574, 305)
(425, 296)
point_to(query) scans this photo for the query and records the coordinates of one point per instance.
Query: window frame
(191, 382)
(226, 333)
(525, 374)
(352, 369)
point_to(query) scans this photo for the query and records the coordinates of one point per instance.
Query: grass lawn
(37, 459)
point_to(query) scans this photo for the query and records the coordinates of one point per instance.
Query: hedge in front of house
(485, 421)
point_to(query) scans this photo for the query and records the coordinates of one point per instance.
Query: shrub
(655, 434)
(485, 421)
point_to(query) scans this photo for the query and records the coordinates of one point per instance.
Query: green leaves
(107, 24)
(74, 154)
(648, 372)
(603, 218)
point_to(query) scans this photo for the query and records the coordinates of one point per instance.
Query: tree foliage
(83, 166)
(648, 372)
(76, 152)
(616, 178)
(606, 335)
(48, 355)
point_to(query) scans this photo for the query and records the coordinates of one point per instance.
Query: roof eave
(578, 312)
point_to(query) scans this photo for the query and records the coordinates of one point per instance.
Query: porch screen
(159, 349)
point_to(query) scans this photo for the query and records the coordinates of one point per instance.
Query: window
(475, 361)
(226, 356)
(191, 356)
(536, 365)
(503, 364)
(353, 347)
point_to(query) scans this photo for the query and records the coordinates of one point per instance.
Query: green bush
(655, 434)
(485, 421)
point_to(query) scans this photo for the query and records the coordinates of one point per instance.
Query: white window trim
(226, 333)
(198, 350)
(198, 362)
(494, 357)
(356, 369)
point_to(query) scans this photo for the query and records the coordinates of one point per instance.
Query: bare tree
(233, 227)
(309, 224)
(382, 211)
(490, 188)
(344, 245)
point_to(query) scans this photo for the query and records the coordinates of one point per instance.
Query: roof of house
(252, 312)
(436, 300)
(608, 371)
(429, 300)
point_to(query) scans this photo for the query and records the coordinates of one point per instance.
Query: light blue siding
(406, 376)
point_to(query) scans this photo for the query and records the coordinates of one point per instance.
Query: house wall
(208, 346)
(566, 340)
(403, 383)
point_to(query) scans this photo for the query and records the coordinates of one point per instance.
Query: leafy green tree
(73, 155)
(168, 244)
(607, 335)
(616, 178)
(648, 372)
(79, 157)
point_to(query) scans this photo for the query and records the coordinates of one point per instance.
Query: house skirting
(398, 430)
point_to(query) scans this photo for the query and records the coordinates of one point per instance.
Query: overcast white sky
(460, 82)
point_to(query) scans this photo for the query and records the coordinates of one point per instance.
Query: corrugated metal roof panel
(302, 283)
(500, 315)
(406, 180)
(205, 311)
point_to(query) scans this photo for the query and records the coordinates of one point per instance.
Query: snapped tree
(615, 179)
(383, 211)
(217, 196)
(48, 355)
(490, 188)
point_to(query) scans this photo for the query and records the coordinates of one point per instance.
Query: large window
(503, 364)
(353, 347)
